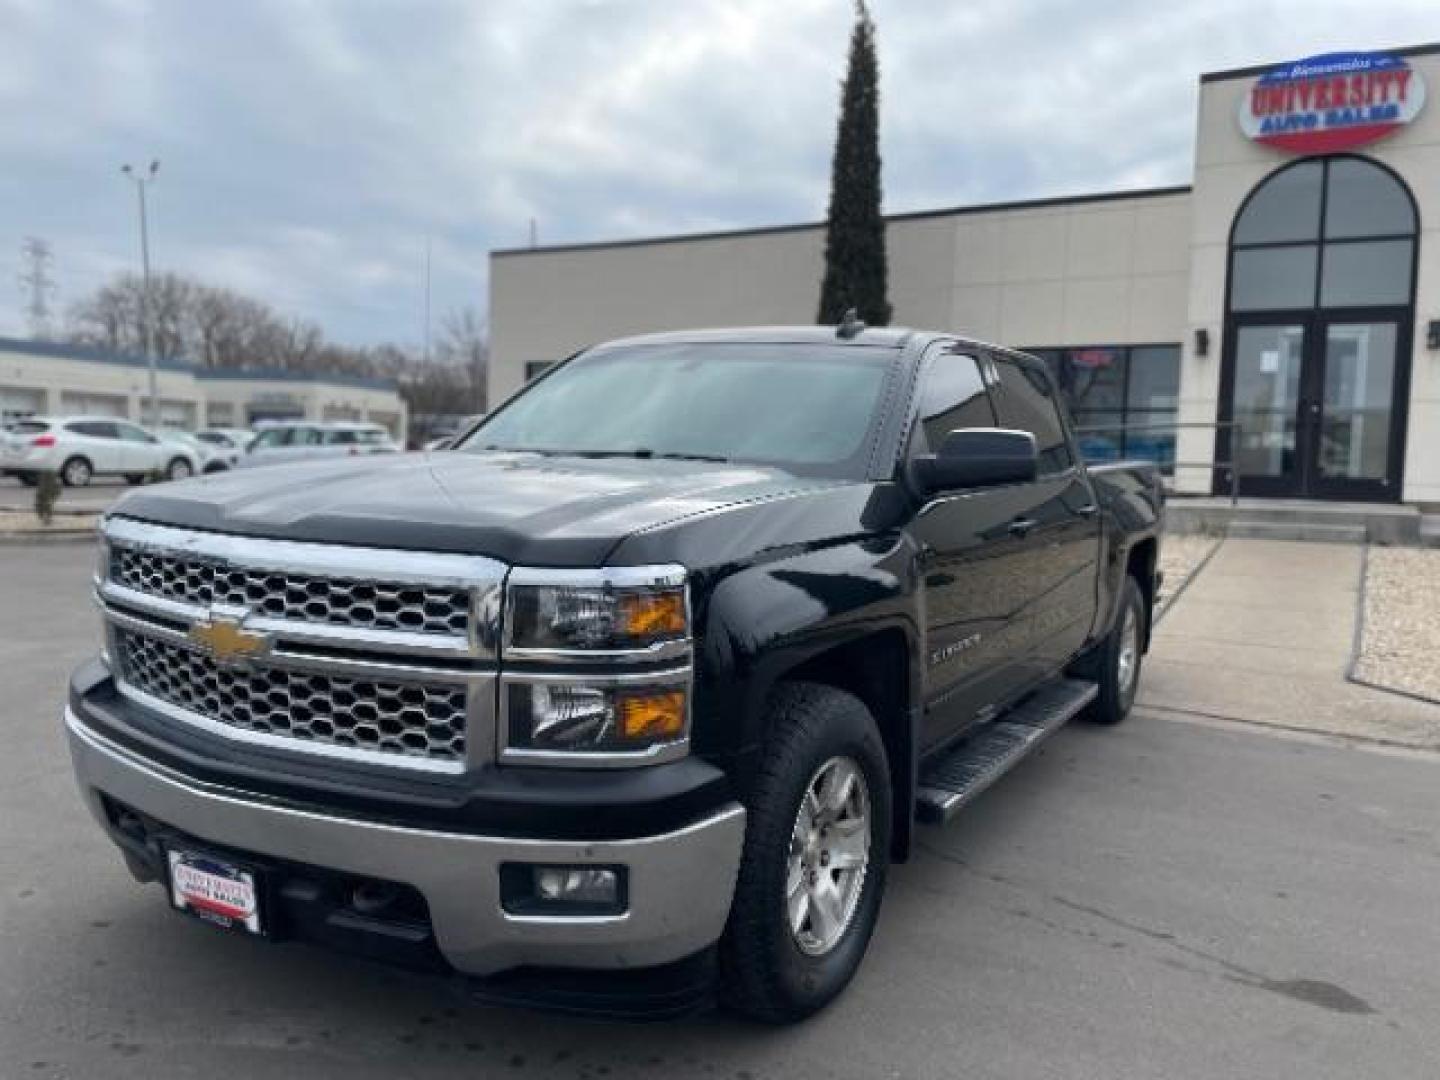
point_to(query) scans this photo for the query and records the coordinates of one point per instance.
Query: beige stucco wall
(1110, 271)
(60, 385)
(1227, 168)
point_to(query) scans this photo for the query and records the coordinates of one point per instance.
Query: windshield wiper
(646, 454)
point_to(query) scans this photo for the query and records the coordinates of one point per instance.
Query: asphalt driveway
(1165, 899)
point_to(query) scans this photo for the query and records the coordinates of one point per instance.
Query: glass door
(1354, 407)
(1264, 398)
(1317, 399)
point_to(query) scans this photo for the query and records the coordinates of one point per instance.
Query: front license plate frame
(219, 891)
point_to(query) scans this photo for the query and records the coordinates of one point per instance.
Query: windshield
(804, 407)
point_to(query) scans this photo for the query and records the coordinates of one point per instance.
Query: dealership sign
(1332, 102)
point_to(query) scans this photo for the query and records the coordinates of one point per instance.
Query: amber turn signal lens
(653, 615)
(654, 715)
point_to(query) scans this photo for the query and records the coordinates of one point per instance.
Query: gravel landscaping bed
(1400, 643)
(1180, 557)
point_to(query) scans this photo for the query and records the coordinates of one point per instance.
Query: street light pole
(146, 338)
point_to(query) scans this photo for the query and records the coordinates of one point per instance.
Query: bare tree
(465, 344)
(220, 328)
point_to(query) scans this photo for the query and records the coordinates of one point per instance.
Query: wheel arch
(1141, 561)
(878, 668)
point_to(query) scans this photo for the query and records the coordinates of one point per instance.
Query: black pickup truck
(628, 700)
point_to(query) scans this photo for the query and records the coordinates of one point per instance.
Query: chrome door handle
(1088, 510)
(1021, 526)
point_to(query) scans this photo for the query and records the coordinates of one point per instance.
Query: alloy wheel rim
(77, 474)
(829, 856)
(1129, 651)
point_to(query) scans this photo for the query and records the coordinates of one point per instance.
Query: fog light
(572, 886)
(540, 890)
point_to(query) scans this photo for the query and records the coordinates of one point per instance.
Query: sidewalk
(1263, 634)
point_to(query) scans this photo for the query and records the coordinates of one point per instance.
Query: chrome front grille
(378, 605)
(369, 714)
(380, 655)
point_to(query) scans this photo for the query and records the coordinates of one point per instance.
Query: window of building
(1338, 232)
(1025, 404)
(1123, 399)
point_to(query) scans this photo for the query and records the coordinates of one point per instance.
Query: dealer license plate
(214, 890)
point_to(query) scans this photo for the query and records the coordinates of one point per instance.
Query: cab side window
(952, 396)
(1026, 402)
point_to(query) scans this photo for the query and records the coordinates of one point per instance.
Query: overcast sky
(309, 148)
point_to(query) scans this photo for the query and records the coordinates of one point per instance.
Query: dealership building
(1279, 315)
(53, 378)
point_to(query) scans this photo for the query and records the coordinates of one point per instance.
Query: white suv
(80, 448)
(283, 442)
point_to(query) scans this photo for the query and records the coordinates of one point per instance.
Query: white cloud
(310, 146)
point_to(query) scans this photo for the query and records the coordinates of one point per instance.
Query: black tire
(76, 472)
(29, 479)
(764, 972)
(1104, 665)
(179, 469)
(135, 479)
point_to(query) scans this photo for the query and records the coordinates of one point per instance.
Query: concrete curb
(1357, 643)
(1171, 600)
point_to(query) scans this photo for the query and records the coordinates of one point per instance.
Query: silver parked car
(232, 442)
(284, 442)
(80, 448)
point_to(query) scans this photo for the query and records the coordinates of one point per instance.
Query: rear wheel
(1115, 664)
(29, 479)
(816, 852)
(76, 472)
(179, 469)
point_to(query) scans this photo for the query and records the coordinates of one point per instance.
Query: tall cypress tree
(855, 267)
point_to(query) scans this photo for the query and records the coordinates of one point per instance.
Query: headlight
(625, 609)
(596, 666)
(593, 717)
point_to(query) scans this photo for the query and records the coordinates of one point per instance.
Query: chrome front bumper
(680, 883)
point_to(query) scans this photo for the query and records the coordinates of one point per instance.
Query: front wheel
(817, 840)
(179, 469)
(1115, 664)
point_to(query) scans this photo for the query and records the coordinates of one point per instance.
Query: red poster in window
(1092, 358)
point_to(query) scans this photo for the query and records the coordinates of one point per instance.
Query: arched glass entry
(1318, 327)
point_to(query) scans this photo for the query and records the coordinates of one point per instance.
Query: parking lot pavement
(95, 497)
(1162, 899)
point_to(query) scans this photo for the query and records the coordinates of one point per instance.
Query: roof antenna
(850, 325)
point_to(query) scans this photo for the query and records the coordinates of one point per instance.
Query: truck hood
(518, 507)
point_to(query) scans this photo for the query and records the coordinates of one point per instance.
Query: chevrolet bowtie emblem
(224, 638)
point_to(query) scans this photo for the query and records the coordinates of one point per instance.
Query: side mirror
(976, 458)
